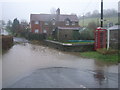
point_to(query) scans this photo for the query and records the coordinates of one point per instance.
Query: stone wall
(73, 48)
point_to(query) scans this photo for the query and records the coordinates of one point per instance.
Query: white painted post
(108, 35)
(108, 39)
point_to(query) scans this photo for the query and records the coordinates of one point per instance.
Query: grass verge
(98, 56)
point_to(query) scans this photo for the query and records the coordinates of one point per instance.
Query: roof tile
(48, 17)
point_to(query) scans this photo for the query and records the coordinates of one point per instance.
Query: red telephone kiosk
(100, 38)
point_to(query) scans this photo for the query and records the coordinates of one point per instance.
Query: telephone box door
(100, 38)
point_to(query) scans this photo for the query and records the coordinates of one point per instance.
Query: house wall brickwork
(35, 26)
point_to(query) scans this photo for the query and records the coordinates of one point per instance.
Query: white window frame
(36, 22)
(67, 23)
(53, 23)
(44, 31)
(73, 23)
(36, 30)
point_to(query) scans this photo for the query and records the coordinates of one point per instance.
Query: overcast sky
(22, 9)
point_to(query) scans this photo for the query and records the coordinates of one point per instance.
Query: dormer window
(36, 22)
(67, 21)
(73, 23)
(53, 21)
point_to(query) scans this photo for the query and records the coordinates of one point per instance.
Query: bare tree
(9, 23)
(2, 22)
(88, 14)
(95, 13)
(53, 11)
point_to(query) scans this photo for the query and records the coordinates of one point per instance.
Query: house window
(36, 22)
(53, 23)
(67, 23)
(36, 31)
(73, 23)
(44, 31)
(46, 23)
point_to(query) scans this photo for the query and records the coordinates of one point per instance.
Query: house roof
(42, 17)
(115, 27)
(71, 17)
(69, 28)
(48, 17)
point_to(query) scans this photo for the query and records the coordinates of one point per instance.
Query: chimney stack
(58, 11)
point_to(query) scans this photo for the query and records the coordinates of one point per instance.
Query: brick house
(59, 26)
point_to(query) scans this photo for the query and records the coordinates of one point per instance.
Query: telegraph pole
(101, 13)
(83, 19)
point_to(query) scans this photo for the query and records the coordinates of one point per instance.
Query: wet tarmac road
(31, 66)
(58, 77)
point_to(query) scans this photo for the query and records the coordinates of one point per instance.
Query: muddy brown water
(24, 58)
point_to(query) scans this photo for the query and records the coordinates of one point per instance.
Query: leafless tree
(53, 11)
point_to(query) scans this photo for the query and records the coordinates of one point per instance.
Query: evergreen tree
(9, 25)
(15, 26)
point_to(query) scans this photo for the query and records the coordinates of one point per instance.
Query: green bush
(76, 35)
(7, 41)
(87, 34)
(35, 36)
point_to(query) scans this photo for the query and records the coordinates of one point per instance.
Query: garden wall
(70, 48)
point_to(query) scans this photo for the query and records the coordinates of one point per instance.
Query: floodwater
(24, 58)
(0, 71)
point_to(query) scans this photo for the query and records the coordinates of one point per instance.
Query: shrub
(87, 34)
(7, 42)
(76, 35)
(35, 36)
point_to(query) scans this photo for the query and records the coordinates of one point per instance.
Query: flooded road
(24, 58)
(0, 71)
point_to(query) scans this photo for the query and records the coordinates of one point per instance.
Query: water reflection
(23, 59)
(99, 75)
(0, 71)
